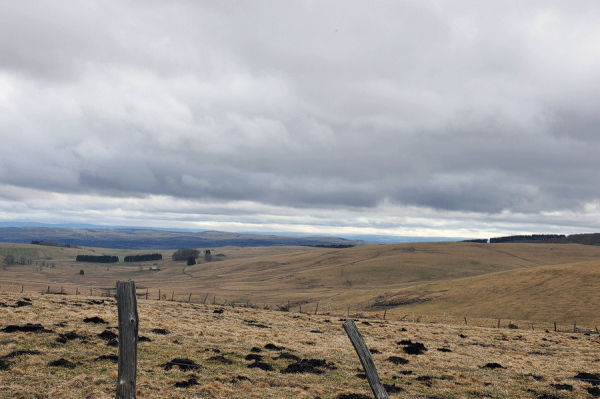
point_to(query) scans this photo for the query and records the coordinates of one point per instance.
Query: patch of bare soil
(38, 328)
(183, 364)
(62, 363)
(312, 366)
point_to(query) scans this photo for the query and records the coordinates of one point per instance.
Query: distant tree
(191, 261)
(9, 260)
(184, 254)
(207, 255)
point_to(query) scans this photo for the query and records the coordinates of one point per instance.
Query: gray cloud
(464, 107)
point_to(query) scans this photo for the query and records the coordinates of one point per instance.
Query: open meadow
(189, 350)
(222, 326)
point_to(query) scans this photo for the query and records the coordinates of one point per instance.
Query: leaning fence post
(128, 336)
(465, 321)
(365, 359)
(204, 302)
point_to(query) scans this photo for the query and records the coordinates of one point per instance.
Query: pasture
(191, 350)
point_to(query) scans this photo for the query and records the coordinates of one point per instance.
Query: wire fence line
(108, 294)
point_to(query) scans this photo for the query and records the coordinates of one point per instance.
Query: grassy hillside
(563, 293)
(253, 353)
(487, 280)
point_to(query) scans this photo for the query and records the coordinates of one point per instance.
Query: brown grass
(533, 360)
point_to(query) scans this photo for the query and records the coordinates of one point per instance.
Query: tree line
(142, 258)
(97, 258)
(50, 244)
(528, 238)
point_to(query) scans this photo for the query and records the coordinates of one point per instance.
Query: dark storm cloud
(451, 106)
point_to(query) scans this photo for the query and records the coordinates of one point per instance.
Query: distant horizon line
(381, 238)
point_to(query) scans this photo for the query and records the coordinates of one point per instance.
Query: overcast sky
(419, 118)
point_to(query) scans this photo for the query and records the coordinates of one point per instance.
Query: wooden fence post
(384, 313)
(190, 298)
(22, 288)
(77, 291)
(172, 295)
(204, 302)
(146, 293)
(554, 326)
(498, 323)
(444, 318)
(128, 336)
(574, 326)
(91, 292)
(317, 308)
(365, 359)
(159, 294)
(48, 290)
(465, 321)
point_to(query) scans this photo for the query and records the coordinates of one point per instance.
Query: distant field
(538, 282)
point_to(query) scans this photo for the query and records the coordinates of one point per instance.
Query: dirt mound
(412, 348)
(312, 366)
(62, 363)
(588, 377)
(70, 336)
(108, 335)
(562, 387)
(492, 366)
(397, 360)
(26, 328)
(260, 365)
(94, 320)
(392, 388)
(254, 357)
(185, 384)
(273, 347)
(183, 364)
(220, 359)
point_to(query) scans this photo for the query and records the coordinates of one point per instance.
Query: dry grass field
(532, 282)
(249, 353)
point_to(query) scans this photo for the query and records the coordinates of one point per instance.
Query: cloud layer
(303, 115)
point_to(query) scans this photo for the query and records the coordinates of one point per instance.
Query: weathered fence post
(172, 295)
(77, 291)
(204, 302)
(498, 323)
(90, 292)
(465, 321)
(146, 293)
(22, 288)
(128, 336)
(574, 326)
(365, 359)
(444, 318)
(190, 298)
(159, 294)
(48, 290)
(317, 308)
(384, 313)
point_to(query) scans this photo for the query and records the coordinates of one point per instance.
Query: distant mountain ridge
(130, 238)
